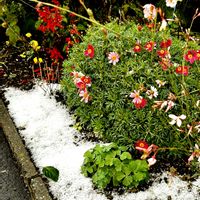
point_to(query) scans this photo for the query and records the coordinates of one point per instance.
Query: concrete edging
(32, 178)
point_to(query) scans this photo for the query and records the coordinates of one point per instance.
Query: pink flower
(136, 96)
(81, 85)
(85, 96)
(113, 58)
(194, 154)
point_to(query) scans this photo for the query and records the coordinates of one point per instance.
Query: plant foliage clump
(113, 165)
(143, 85)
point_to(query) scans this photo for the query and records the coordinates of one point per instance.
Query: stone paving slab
(30, 175)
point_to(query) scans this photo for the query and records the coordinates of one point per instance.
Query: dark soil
(14, 71)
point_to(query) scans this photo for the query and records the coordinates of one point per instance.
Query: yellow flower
(37, 48)
(35, 60)
(34, 45)
(28, 35)
(40, 60)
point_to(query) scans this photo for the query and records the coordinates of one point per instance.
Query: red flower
(89, 51)
(55, 54)
(162, 53)
(141, 145)
(166, 44)
(149, 46)
(86, 80)
(50, 17)
(182, 70)
(137, 48)
(191, 56)
(142, 104)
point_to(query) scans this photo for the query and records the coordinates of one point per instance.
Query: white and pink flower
(113, 58)
(151, 161)
(153, 92)
(85, 95)
(171, 3)
(160, 83)
(136, 97)
(149, 11)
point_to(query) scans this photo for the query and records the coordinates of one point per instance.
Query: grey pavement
(12, 186)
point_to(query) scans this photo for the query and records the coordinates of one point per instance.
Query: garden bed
(47, 129)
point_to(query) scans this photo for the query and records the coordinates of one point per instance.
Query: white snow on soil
(46, 127)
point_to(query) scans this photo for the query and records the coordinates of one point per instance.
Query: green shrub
(109, 111)
(113, 165)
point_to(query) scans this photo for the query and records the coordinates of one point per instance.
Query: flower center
(162, 51)
(190, 56)
(148, 46)
(114, 58)
(141, 145)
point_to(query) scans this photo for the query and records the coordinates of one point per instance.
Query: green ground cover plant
(113, 165)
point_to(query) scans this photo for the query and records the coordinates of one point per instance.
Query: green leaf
(118, 164)
(139, 176)
(51, 172)
(109, 160)
(127, 181)
(119, 176)
(13, 32)
(90, 169)
(125, 155)
(127, 169)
